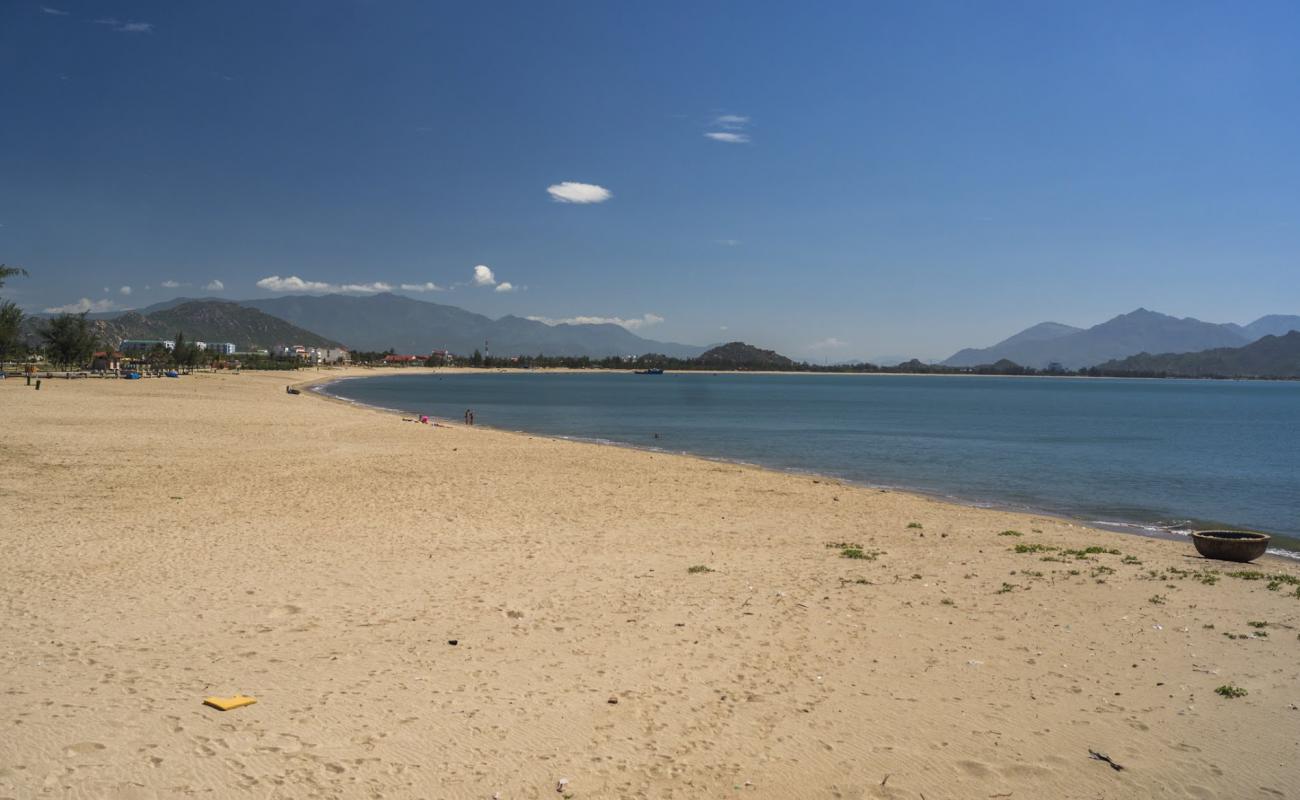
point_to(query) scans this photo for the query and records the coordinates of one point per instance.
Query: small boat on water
(651, 371)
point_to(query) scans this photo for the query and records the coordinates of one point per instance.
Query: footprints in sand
(283, 611)
(83, 749)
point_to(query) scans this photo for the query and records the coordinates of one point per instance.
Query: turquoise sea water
(1145, 453)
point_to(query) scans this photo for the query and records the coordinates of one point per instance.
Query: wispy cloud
(829, 343)
(54, 11)
(428, 286)
(483, 276)
(82, 305)
(293, 283)
(633, 324)
(731, 122)
(125, 27)
(504, 286)
(170, 284)
(729, 129)
(126, 290)
(214, 285)
(582, 193)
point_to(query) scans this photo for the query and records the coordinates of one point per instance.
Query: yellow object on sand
(227, 703)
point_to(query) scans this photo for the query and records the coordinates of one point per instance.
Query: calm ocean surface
(1146, 453)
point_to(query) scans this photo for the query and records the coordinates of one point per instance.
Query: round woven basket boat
(1231, 545)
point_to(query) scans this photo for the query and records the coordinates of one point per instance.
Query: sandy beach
(166, 540)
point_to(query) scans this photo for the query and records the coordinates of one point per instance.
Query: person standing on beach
(471, 416)
(467, 416)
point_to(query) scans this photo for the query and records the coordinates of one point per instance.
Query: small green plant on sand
(1229, 691)
(947, 601)
(697, 569)
(1257, 624)
(1157, 599)
(842, 545)
(859, 554)
(1034, 547)
(1130, 560)
(1007, 588)
(1275, 581)
(1011, 533)
(916, 525)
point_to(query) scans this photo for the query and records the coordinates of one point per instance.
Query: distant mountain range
(1140, 331)
(1268, 357)
(200, 320)
(383, 321)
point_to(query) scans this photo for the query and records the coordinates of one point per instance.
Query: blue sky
(889, 179)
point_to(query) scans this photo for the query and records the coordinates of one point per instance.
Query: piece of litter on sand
(559, 787)
(228, 703)
(613, 701)
(1093, 754)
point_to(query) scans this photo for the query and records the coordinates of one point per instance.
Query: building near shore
(106, 360)
(396, 360)
(145, 345)
(221, 348)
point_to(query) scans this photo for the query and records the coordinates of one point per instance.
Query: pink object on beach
(424, 419)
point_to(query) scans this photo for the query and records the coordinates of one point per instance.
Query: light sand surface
(164, 540)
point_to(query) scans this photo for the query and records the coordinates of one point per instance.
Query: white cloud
(505, 286)
(731, 121)
(483, 276)
(214, 285)
(84, 304)
(170, 284)
(729, 138)
(571, 192)
(56, 12)
(428, 286)
(293, 283)
(635, 323)
(125, 290)
(829, 343)
(366, 288)
(125, 27)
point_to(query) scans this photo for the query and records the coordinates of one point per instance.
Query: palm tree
(9, 272)
(11, 322)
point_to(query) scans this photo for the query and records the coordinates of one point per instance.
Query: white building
(221, 348)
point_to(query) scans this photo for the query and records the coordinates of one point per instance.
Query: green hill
(738, 355)
(1270, 357)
